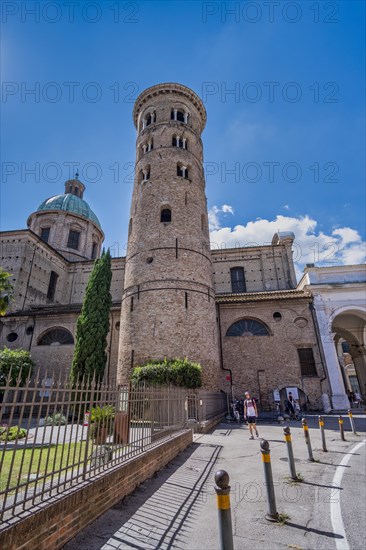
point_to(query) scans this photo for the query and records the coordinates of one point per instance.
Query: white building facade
(339, 299)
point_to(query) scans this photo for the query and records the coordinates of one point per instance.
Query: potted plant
(102, 422)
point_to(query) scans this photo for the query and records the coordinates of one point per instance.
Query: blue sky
(284, 150)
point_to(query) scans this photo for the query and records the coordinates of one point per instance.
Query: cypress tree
(93, 324)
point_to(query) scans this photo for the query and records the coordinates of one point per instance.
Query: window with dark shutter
(307, 362)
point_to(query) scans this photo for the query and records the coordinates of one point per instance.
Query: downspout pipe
(221, 353)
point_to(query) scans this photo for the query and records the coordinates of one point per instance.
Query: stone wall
(57, 522)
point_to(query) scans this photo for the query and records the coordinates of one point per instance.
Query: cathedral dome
(69, 203)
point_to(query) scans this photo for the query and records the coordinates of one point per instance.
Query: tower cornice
(168, 88)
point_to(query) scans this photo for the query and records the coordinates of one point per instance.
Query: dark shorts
(251, 419)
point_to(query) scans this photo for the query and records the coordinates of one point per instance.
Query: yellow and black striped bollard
(290, 453)
(307, 439)
(272, 514)
(322, 431)
(341, 429)
(223, 507)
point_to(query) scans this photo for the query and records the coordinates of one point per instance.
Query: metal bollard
(352, 421)
(223, 506)
(322, 431)
(290, 454)
(307, 439)
(272, 514)
(341, 429)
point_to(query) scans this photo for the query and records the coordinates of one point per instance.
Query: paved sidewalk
(177, 508)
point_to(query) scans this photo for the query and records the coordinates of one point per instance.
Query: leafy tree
(93, 324)
(6, 291)
(179, 372)
(15, 361)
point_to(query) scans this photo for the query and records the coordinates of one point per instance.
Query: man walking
(250, 414)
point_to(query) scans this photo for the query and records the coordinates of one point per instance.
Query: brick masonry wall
(168, 303)
(261, 364)
(55, 524)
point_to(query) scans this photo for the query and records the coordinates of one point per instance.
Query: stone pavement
(177, 508)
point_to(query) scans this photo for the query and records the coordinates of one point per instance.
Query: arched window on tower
(179, 142)
(182, 171)
(248, 327)
(237, 279)
(166, 215)
(179, 115)
(149, 118)
(145, 173)
(147, 146)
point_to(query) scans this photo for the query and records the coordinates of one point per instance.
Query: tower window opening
(73, 240)
(131, 304)
(166, 215)
(186, 299)
(45, 234)
(180, 116)
(179, 142)
(76, 192)
(237, 279)
(130, 227)
(182, 171)
(145, 173)
(52, 286)
(148, 146)
(149, 119)
(203, 222)
(70, 189)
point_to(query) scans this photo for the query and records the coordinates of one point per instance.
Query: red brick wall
(58, 522)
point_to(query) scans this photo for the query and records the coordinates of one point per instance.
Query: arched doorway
(349, 325)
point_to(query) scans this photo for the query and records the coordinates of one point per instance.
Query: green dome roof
(70, 203)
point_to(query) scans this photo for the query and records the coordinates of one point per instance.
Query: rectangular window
(73, 240)
(307, 362)
(94, 251)
(52, 286)
(45, 234)
(237, 279)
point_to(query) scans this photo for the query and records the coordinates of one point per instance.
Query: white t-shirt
(250, 407)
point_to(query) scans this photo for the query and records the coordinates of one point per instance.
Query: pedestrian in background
(250, 414)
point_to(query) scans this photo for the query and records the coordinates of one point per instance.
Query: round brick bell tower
(168, 303)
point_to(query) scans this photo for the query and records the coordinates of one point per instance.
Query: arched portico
(349, 324)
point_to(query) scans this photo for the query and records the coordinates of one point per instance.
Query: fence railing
(54, 436)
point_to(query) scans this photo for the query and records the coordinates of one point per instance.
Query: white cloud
(286, 207)
(213, 215)
(227, 209)
(342, 246)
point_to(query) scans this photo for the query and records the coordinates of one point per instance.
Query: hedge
(178, 372)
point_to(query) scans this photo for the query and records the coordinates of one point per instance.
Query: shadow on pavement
(329, 534)
(160, 511)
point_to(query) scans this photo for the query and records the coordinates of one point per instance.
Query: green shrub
(10, 434)
(178, 372)
(16, 361)
(57, 419)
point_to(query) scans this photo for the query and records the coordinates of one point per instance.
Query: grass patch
(22, 463)
(281, 520)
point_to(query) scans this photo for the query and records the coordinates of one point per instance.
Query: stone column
(338, 396)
